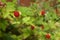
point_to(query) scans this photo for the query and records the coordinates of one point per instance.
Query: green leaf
(3, 24)
(26, 11)
(26, 19)
(58, 0)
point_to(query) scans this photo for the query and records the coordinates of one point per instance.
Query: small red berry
(48, 36)
(1, 3)
(16, 14)
(43, 12)
(42, 26)
(32, 27)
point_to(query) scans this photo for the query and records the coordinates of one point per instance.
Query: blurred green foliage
(29, 16)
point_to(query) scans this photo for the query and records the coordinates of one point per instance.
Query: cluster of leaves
(13, 28)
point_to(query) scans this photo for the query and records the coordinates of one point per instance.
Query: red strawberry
(43, 12)
(32, 27)
(48, 36)
(16, 14)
